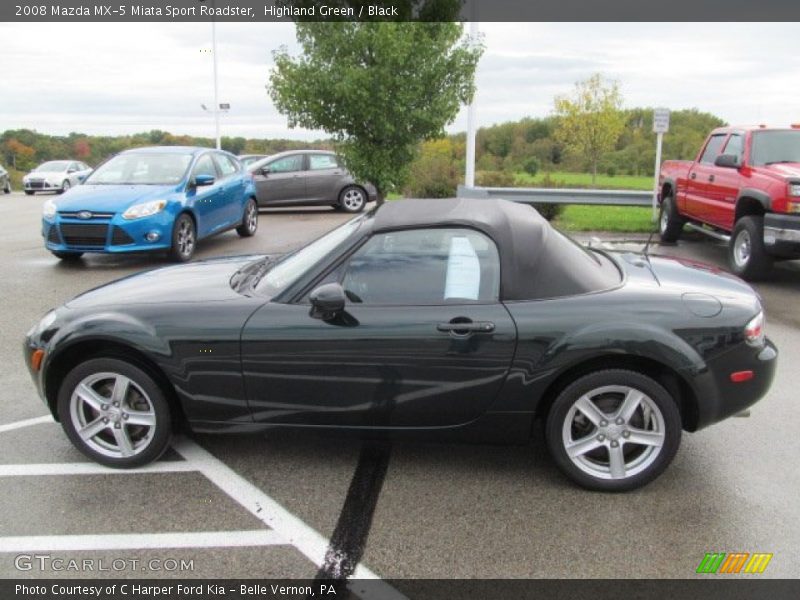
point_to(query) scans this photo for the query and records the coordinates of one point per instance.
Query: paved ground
(267, 506)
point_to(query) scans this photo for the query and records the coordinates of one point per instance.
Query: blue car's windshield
(142, 168)
(53, 165)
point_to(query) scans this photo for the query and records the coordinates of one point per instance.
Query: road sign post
(660, 127)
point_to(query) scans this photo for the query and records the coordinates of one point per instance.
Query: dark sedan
(446, 319)
(309, 178)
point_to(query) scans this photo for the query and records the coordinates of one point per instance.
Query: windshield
(249, 160)
(143, 168)
(771, 147)
(289, 270)
(53, 165)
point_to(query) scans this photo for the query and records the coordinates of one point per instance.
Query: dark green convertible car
(448, 319)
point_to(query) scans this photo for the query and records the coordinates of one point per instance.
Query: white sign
(661, 120)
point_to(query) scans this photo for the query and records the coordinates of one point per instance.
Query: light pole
(469, 177)
(216, 83)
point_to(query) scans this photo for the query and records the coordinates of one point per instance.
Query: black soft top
(536, 260)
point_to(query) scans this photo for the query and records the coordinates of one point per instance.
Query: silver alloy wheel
(353, 199)
(112, 414)
(252, 217)
(741, 248)
(613, 432)
(65, 186)
(185, 237)
(664, 219)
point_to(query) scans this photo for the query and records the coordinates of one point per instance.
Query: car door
(206, 200)
(323, 178)
(283, 182)
(232, 189)
(702, 174)
(424, 340)
(724, 185)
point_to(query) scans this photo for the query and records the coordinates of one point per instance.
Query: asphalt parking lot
(269, 506)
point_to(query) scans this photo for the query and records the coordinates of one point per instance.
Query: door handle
(466, 328)
(693, 176)
(711, 178)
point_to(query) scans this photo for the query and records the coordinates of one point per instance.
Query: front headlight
(794, 189)
(49, 209)
(754, 330)
(145, 209)
(45, 322)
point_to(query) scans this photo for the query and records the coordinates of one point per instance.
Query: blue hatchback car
(152, 199)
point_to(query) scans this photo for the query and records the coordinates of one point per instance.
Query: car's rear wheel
(352, 199)
(613, 430)
(747, 256)
(249, 224)
(68, 255)
(184, 238)
(670, 222)
(115, 413)
(7, 189)
(64, 186)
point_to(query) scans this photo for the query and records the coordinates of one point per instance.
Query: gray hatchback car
(309, 178)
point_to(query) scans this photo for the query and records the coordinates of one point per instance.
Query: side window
(424, 267)
(205, 166)
(735, 146)
(287, 164)
(226, 165)
(318, 162)
(712, 148)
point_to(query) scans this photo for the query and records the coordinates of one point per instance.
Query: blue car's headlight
(49, 209)
(145, 209)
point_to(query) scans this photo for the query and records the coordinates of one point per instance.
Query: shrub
(531, 166)
(494, 179)
(435, 173)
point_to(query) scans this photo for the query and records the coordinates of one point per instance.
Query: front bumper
(108, 235)
(41, 186)
(782, 235)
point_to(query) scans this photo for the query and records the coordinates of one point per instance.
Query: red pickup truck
(743, 188)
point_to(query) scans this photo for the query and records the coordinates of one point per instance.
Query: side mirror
(201, 180)
(265, 171)
(730, 161)
(327, 301)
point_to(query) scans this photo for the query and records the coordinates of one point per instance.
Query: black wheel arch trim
(759, 196)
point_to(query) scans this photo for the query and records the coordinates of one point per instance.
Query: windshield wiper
(780, 162)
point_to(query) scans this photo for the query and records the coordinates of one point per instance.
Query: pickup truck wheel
(670, 222)
(746, 253)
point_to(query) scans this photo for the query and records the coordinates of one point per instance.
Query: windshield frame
(66, 164)
(284, 294)
(192, 158)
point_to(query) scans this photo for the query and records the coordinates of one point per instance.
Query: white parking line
(137, 541)
(21, 470)
(26, 423)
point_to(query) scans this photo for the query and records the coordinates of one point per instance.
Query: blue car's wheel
(249, 224)
(184, 239)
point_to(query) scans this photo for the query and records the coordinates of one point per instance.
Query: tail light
(754, 330)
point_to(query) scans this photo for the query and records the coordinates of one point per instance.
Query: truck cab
(742, 188)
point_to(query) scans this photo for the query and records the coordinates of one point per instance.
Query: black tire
(670, 222)
(352, 199)
(747, 256)
(29, 192)
(67, 255)
(249, 224)
(64, 187)
(7, 189)
(614, 436)
(184, 239)
(143, 398)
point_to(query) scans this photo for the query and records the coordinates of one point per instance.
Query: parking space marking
(26, 423)
(140, 541)
(20, 470)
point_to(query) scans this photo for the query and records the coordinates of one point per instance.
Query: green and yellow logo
(734, 562)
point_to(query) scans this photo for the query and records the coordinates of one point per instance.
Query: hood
(785, 170)
(45, 174)
(202, 281)
(111, 198)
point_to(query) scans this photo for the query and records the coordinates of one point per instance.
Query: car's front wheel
(613, 430)
(115, 413)
(64, 186)
(7, 189)
(184, 238)
(249, 224)
(352, 199)
(747, 256)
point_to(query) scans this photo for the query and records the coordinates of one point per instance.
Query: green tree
(379, 88)
(590, 120)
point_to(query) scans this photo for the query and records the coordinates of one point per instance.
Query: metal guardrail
(560, 196)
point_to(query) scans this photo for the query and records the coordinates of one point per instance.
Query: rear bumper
(721, 398)
(782, 235)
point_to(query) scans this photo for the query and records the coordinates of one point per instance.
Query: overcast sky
(114, 78)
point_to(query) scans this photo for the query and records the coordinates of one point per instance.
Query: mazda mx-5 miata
(448, 319)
